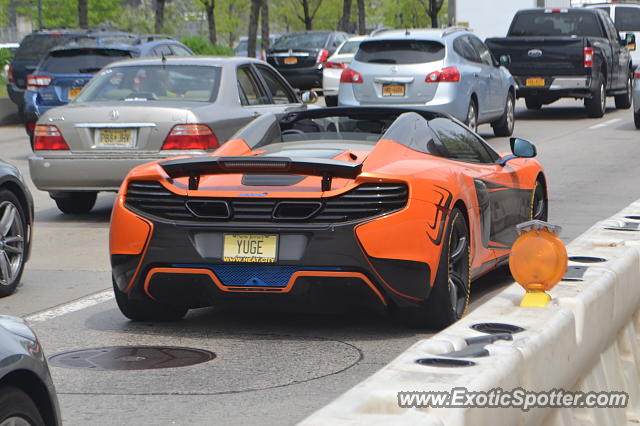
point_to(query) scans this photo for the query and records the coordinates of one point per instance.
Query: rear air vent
(366, 200)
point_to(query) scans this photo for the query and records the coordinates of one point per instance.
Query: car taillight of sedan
(190, 136)
(35, 81)
(323, 55)
(10, 74)
(49, 138)
(334, 65)
(445, 75)
(350, 76)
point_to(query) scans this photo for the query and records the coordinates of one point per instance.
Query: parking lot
(274, 364)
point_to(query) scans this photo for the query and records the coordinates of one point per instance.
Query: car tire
(636, 119)
(539, 205)
(13, 241)
(472, 116)
(532, 103)
(76, 202)
(624, 101)
(16, 405)
(597, 104)
(147, 310)
(504, 126)
(449, 296)
(331, 101)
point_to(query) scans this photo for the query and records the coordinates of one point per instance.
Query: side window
(483, 52)
(460, 143)
(180, 51)
(250, 92)
(278, 90)
(612, 29)
(163, 49)
(463, 48)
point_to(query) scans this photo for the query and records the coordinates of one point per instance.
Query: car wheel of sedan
(147, 310)
(450, 293)
(532, 103)
(597, 104)
(624, 101)
(76, 202)
(17, 408)
(472, 116)
(13, 231)
(331, 101)
(504, 126)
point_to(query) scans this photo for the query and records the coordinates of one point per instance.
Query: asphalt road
(273, 365)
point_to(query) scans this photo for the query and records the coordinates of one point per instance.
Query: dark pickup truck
(567, 53)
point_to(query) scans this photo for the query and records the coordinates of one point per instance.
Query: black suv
(300, 56)
(35, 46)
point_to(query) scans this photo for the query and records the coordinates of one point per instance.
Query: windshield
(399, 52)
(153, 83)
(349, 47)
(555, 24)
(81, 61)
(627, 18)
(302, 41)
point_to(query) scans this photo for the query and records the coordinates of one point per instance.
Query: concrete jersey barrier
(587, 339)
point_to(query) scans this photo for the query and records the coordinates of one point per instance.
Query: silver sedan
(141, 110)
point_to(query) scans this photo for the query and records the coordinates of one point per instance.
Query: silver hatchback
(449, 71)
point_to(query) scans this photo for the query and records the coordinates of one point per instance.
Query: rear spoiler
(198, 166)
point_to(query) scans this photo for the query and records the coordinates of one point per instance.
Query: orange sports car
(398, 207)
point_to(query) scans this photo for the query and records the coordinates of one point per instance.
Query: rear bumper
(331, 81)
(303, 78)
(182, 263)
(557, 87)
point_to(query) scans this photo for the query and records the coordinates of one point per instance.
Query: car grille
(366, 200)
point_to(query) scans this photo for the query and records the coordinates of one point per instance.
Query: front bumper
(181, 263)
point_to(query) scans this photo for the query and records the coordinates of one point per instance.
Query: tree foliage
(201, 46)
(64, 13)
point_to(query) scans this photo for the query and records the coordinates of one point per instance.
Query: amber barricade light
(538, 261)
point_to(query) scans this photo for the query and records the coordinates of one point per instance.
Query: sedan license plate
(73, 92)
(393, 90)
(291, 60)
(252, 248)
(535, 82)
(114, 138)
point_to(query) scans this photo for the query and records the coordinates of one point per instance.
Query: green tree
(59, 13)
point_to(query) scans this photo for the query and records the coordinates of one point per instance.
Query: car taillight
(10, 74)
(190, 136)
(323, 55)
(335, 65)
(31, 125)
(445, 75)
(35, 81)
(637, 74)
(588, 57)
(49, 138)
(350, 76)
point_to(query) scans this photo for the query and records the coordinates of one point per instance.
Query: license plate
(535, 82)
(114, 138)
(73, 92)
(291, 60)
(251, 248)
(393, 90)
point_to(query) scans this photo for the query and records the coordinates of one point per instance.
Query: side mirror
(522, 148)
(630, 41)
(505, 60)
(309, 97)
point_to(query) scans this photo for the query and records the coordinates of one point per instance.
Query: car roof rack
(145, 38)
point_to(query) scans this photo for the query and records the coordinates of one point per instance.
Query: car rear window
(400, 51)
(81, 61)
(349, 47)
(34, 47)
(627, 18)
(555, 24)
(302, 41)
(153, 83)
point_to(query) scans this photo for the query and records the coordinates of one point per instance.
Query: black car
(567, 53)
(27, 393)
(35, 46)
(300, 56)
(16, 221)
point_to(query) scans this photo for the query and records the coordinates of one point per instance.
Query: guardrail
(587, 339)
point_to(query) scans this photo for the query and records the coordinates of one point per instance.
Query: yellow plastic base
(535, 299)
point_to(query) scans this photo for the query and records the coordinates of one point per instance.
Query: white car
(335, 65)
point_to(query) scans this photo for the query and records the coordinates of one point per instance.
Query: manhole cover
(131, 358)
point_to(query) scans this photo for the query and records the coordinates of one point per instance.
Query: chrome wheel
(12, 241)
(538, 207)
(458, 266)
(15, 421)
(510, 114)
(472, 117)
(603, 99)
